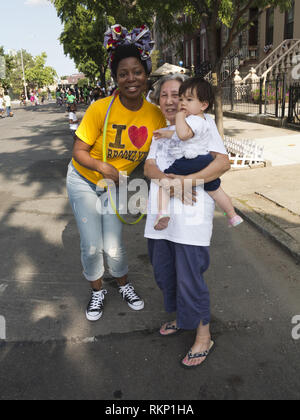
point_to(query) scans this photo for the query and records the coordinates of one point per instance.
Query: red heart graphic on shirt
(138, 136)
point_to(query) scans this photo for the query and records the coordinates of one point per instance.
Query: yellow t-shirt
(128, 139)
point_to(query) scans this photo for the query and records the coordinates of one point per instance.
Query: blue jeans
(100, 232)
(8, 111)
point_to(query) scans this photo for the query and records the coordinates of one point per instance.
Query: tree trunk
(219, 109)
(102, 76)
(216, 68)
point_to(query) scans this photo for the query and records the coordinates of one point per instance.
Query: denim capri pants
(178, 271)
(100, 231)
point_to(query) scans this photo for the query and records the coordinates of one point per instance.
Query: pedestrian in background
(7, 101)
(73, 120)
(36, 99)
(96, 94)
(71, 99)
(1, 106)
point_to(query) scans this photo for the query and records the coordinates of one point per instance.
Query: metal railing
(270, 97)
(294, 104)
(281, 57)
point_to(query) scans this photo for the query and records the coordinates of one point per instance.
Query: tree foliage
(38, 75)
(85, 23)
(234, 14)
(9, 66)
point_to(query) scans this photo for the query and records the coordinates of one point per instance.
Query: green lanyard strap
(116, 93)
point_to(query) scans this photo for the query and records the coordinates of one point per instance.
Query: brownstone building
(252, 46)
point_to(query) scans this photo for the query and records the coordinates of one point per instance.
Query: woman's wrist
(99, 166)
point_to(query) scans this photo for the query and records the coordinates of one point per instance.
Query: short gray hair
(158, 85)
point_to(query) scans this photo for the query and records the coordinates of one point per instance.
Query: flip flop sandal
(169, 327)
(191, 356)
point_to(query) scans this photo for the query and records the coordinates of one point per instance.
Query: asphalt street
(51, 352)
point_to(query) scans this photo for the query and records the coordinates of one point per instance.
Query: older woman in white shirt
(180, 253)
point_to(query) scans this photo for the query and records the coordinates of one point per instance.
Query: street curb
(258, 118)
(268, 228)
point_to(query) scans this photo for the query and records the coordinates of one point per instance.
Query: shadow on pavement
(44, 298)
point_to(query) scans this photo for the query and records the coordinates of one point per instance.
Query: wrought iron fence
(270, 97)
(294, 104)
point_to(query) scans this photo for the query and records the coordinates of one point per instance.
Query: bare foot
(162, 222)
(169, 328)
(202, 346)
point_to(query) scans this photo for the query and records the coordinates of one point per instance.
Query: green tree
(8, 69)
(85, 22)
(82, 37)
(17, 82)
(213, 13)
(83, 82)
(38, 75)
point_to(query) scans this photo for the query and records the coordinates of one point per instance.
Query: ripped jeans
(100, 233)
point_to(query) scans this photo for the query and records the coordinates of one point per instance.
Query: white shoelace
(129, 292)
(97, 300)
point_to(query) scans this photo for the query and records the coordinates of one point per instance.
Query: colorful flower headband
(140, 37)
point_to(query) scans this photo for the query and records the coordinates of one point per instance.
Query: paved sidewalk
(269, 197)
(281, 146)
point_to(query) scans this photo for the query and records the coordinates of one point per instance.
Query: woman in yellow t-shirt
(131, 123)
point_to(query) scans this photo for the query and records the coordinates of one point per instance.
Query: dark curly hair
(203, 89)
(126, 51)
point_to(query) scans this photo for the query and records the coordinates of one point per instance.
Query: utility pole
(25, 87)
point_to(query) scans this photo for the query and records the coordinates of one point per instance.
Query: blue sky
(34, 26)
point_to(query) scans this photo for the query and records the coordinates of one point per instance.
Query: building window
(253, 31)
(240, 41)
(289, 23)
(270, 26)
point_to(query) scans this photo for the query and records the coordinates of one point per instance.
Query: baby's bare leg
(223, 201)
(163, 200)
(163, 217)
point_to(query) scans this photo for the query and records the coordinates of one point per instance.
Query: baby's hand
(182, 113)
(158, 134)
(163, 134)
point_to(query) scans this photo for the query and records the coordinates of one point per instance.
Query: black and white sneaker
(133, 300)
(95, 307)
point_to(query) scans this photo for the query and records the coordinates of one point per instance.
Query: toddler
(189, 146)
(1, 106)
(73, 120)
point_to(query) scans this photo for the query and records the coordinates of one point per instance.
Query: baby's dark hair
(126, 51)
(201, 87)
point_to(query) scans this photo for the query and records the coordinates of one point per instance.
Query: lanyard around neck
(116, 93)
